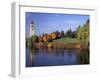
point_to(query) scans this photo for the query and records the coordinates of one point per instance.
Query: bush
(32, 40)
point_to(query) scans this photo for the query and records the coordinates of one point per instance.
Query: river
(54, 57)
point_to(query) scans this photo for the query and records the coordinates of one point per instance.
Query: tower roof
(32, 22)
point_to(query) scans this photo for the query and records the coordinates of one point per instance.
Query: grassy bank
(66, 40)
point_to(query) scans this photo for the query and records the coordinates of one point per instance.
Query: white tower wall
(32, 30)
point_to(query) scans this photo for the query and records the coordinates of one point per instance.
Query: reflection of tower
(32, 29)
(32, 59)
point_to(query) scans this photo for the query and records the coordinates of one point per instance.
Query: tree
(83, 33)
(40, 39)
(54, 36)
(58, 34)
(73, 34)
(69, 33)
(62, 34)
(34, 38)
(49, 38)
(79, 27)
(45, 38)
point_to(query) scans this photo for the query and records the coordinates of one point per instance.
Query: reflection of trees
(43, 51)
(60, 52)
(71, 52)
(83, 57)
(50, 51)
(33, 52)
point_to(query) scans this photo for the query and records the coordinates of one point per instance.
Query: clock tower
(32, 29)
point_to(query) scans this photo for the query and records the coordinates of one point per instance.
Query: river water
(55, 57)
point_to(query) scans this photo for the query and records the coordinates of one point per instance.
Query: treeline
(81, 33)
(53, 36)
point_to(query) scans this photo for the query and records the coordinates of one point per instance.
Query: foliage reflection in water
(54, 57)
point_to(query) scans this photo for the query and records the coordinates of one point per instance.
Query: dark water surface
(54, 57)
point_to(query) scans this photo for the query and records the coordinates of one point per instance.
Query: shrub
(34, 38)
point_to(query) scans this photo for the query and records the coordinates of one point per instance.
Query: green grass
(67, 40)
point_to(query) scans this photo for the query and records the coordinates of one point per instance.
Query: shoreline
(53, 45)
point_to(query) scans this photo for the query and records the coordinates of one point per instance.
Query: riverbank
(62, 43)
(59, 45)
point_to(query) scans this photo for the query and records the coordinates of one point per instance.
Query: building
(32, 29)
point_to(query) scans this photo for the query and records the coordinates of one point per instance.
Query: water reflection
(53, 57)
(83, 57)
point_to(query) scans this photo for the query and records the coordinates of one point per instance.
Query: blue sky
(50, 22)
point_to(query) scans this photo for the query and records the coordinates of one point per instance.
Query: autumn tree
(49, 38)
(40, 39)
(45, 38)
(58, 34)
(54, 36)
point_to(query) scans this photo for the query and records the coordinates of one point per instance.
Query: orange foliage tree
(54, 36)
(49, 38)
(45, 38)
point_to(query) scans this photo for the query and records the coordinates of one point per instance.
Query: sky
(51, 22)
